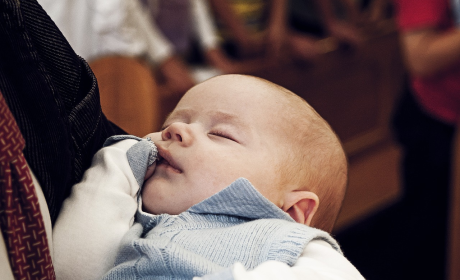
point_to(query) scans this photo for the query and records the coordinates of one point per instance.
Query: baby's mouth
(166, 160)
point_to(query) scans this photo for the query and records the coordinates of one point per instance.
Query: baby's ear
(301, 206)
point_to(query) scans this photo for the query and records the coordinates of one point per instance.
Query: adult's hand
(219, 60)
(345, 33)
(305, 47)
(176, 76)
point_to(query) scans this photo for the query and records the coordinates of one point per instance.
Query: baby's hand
(141, 157)
(153, 157)
(150, 171)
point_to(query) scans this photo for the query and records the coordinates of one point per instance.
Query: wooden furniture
(129, 95)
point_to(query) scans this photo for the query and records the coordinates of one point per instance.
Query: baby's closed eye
(223, 134)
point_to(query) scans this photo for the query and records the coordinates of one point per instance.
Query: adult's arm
(206, 34)
(204, 25)
(429, 51)
(343, 30)
(430, 41)
(277, 28)
(100, 28)
(160, 51)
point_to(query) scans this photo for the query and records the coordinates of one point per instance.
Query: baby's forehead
(236, 89)
(238, 93)
(237, 83)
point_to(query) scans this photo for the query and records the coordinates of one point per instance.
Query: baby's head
(236, 126)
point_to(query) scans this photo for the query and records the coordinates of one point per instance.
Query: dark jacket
(54, 97)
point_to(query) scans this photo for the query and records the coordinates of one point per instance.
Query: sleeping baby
(244, 180)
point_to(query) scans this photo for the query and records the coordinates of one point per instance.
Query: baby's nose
(180, 132)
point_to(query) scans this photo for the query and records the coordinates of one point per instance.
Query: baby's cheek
(155, 136)
(148, 196)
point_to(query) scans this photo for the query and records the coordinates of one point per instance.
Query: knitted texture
(140, 156)
(237, 224)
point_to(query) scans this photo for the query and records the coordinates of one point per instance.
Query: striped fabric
(21, 221)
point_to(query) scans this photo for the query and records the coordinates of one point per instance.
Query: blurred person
(246, 26)
(189, 24)
(335, 29)
(409, 237)
(280, 28)
(425, 122)
(118, 27)
(189, 30)
(375, 11)
(160, 34)
(104, 29)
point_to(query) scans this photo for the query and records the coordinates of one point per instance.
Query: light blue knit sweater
(237, 224)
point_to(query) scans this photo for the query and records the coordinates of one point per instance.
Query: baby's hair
(315, 159)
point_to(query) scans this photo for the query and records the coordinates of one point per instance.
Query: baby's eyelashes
(222, 135)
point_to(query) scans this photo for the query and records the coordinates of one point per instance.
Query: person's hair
(314, 158)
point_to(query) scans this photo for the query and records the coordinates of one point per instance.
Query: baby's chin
(158, 211)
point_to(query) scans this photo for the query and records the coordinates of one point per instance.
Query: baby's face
(221, 130)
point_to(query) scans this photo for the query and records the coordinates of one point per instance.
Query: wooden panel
(129, 96)
(354, 92)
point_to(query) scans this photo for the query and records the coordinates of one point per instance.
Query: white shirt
(319, 261)
(96, 28)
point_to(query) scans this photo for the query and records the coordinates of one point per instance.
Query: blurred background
(345, 57)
